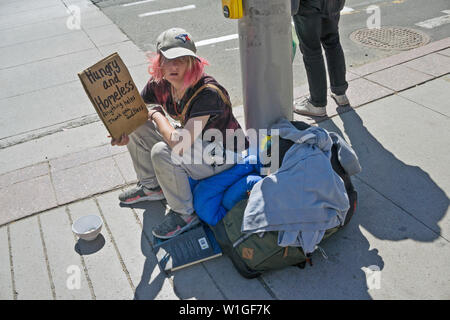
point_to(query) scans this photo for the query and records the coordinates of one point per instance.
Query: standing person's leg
(308, 27)
(173, 178)
(141, 143)
(335, 57)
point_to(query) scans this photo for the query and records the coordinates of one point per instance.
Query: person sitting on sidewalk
(176, 76)
(316, 24)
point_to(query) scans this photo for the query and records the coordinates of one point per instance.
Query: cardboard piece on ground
(114, 95)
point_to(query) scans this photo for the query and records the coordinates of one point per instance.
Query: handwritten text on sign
(114, 95)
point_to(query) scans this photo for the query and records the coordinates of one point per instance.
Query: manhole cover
(391, 38)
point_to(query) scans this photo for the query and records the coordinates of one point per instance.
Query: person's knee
(311, 46)
(330, 41)
(143, 131)
(160, 151)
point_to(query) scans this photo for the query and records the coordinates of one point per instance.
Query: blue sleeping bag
(216, 195)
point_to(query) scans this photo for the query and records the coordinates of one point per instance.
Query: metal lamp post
(265, 41)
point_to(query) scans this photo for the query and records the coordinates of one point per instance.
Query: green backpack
(253, 253)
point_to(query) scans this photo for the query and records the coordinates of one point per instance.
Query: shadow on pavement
(83, 247)
(407, 187)
(390, 193)
(152, 280)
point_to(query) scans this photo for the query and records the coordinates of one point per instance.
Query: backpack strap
(182, 117)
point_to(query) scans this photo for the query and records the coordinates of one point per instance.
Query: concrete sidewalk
(399, 127)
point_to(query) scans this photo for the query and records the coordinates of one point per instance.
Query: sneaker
(341, 100)
(306, 108)
(173, 224)
(141, 193)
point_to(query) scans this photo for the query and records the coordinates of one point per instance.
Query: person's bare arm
(168, 132)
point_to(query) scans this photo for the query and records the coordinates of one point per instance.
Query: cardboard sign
(114, 95)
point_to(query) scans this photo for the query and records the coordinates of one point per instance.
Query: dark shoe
(173, 224)
(306, 108)
(141, 193)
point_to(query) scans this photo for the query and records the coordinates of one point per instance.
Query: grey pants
(155, 165)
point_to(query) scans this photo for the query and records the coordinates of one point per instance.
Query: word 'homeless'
(112, 69)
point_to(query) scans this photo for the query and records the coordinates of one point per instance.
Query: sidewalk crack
(122, 263)
(83, 263)
(11, 264)
(44, 247)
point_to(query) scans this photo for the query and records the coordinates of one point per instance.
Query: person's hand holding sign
(123, 141)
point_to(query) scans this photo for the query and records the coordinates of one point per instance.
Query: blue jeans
(315, 28)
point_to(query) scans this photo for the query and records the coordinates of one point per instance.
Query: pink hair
(191, 77)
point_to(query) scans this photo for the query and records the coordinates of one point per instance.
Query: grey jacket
(346, 155)
(305, 197)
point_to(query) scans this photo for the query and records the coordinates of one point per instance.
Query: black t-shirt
(207, 102)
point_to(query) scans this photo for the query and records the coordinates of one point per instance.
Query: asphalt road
(142, 21)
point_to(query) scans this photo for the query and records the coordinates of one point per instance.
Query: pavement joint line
(36, 39)
(66, 82)
(350, 109)
(40, 39)
(43, 21)
(50, 175)
(424, 106)
(374, 100)
(95, 45)
(395, 91)
(412, 69)
(214, 281)
(39, 89)
(420, 55)
(47, 264)
(83, 263)
(29, 24)
(19, 181)
(45, 161)
(440, 52)
(27, 10)
(87, 163)
(65, 204)
(11, 264)
(401, 208)
(266, 287)
(44, 59)
(150, 243)
(51, 129)
(119, 256)
(61, 35)
(69, 53)
(118, 168)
